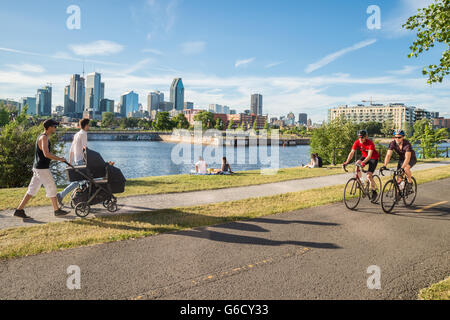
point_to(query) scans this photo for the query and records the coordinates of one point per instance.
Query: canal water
(152, 158)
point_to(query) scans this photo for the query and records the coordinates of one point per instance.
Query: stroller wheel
(82, 209)
(106, 203)
(112, 207)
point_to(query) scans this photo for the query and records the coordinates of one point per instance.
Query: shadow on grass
(146, 183)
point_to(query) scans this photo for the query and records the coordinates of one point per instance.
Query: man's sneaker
(58, 197)
(21, 214)
(61, 212)
(374, 195)
(409, 188)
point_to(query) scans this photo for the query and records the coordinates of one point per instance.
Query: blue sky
(302, 56)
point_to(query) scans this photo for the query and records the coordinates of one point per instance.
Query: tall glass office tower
(129, 102)
(177, 94)
(92, 102)
(256, 104)
(44, 101)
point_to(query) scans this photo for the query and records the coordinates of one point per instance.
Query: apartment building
(398, 113)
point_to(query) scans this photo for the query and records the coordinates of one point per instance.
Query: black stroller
(98, 181)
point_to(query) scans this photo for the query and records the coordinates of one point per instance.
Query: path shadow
(144, 183)
(240, 239)
(278, 221)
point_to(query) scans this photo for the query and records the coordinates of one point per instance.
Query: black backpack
(320, 161)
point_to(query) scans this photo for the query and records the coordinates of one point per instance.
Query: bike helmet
(362, 133)
(399, 132)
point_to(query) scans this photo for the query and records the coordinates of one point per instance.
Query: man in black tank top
(41, 172)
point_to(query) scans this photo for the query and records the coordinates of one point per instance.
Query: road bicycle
(355, 188)
(396, 189)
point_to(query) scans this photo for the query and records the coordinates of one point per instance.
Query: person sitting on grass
(314, 161)
(201, 166)
(225, 169)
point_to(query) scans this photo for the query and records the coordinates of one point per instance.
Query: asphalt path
(317, 253)
(145, 203)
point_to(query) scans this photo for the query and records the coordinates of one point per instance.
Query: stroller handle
(68, 164)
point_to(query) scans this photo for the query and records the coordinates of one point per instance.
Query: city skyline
(316, 65)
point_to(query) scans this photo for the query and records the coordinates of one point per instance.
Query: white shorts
(42, 177)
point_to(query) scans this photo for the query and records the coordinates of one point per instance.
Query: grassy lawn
(10, 198)
(23, 241)
(438, 291)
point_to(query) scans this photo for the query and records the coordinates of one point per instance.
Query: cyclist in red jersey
(369, 156)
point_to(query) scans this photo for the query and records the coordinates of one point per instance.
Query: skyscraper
(188, 105)
(31, 103)
(92, 98)
(256, 104)
(129, 102)
(154, 99)
(303, 119)
(44, 101)
(177, 94)
(76, 95)
(102, 91)
(69, 107)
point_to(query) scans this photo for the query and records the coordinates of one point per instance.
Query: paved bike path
(316, 253)
(141, 203)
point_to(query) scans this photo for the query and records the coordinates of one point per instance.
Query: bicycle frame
(361, 186)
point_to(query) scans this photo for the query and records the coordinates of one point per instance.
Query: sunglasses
(398, 137)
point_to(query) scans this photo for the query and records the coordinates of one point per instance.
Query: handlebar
(396, 172)
(68, 164)
(344, 166)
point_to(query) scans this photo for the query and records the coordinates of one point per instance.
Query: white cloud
(331, 57)
(193, 47)
(405, 70)
(96, 48)
(26, 67)
(154, 51)
(59, 55)
(273, 64)
(243, 62)
(281, 94)
(395, 19)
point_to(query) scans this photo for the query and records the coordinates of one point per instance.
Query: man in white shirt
(76, 156)
(201, 166)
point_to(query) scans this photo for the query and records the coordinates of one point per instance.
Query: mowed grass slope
(23, 241)
(10, 198)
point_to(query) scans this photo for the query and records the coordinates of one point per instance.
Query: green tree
(387, 128)
(4, 115)
(427, 137)
(206, 118)
(180, 121)
(108, 120)
(433, 26)
(336, 136)
(230, 124)
(408, 128)
(163, 122)
(219, 124)
(144, 124)
(17, 147)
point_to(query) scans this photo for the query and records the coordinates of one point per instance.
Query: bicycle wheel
(410, 196)
(352, 194)
(378, 187)
(388, 196)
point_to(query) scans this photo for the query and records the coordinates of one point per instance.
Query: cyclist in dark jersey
(369, 156)
(407, 156)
